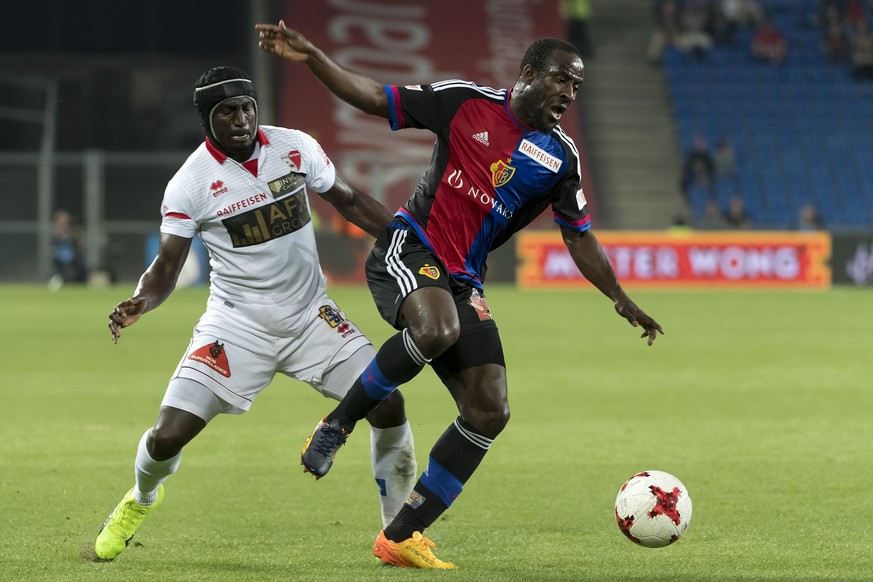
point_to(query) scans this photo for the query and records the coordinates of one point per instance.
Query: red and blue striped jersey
(489, 175)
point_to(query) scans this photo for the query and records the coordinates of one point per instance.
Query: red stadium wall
(405, 42)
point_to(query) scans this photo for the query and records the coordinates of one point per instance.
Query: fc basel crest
(430, 272)
(501, 173)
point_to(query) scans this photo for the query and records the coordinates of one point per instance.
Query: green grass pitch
(760, 402)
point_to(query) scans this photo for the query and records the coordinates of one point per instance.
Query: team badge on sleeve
(580, 199)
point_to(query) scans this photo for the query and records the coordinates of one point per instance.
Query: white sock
(392, 452)
(150, 473)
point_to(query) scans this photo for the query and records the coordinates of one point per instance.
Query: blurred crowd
(707, 172)
(846, 36)
(704, 173)
(698, 25)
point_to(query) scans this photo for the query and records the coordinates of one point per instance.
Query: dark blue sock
(398, 361)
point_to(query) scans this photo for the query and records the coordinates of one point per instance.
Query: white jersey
(257, 229)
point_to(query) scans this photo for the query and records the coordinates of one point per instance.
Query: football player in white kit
(244, 192)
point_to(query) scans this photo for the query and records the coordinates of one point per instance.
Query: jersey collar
(220, 156)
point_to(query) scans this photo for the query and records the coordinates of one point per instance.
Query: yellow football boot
(414, 552)
(122, 523)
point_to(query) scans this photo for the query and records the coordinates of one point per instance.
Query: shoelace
(331, 440)
(131, 514)
(422, 541)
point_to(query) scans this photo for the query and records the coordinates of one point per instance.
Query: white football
(653, 509)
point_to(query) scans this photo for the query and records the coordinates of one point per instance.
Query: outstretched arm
(593, 263)
(359, 208)
(154, 286)
(358, 90)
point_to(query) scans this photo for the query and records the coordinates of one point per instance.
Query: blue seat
(802, 132)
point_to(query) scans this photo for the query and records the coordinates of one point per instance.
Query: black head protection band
(208, 97)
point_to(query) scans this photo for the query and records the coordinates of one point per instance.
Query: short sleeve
(569, 206)
(176, 212)
(320, 171)
(412, 106)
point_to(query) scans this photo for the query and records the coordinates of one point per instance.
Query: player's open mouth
(557, 112)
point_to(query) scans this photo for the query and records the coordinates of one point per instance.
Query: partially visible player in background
(244, 192)
(499, 160)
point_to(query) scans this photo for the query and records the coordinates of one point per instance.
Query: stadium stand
(802, 131)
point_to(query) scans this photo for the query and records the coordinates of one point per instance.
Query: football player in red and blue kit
(499, 160)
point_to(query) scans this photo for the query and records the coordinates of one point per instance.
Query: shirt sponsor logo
(540, 156)
(430, 272)
(455, 180)
(244, 203)
(286, 184)
(484, 198)
(414, 87)
(269, 221)
(501, 173)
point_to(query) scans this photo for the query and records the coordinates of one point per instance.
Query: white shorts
(235, 358)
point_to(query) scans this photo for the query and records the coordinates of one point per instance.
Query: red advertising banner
(694, 259)
(405, 42)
